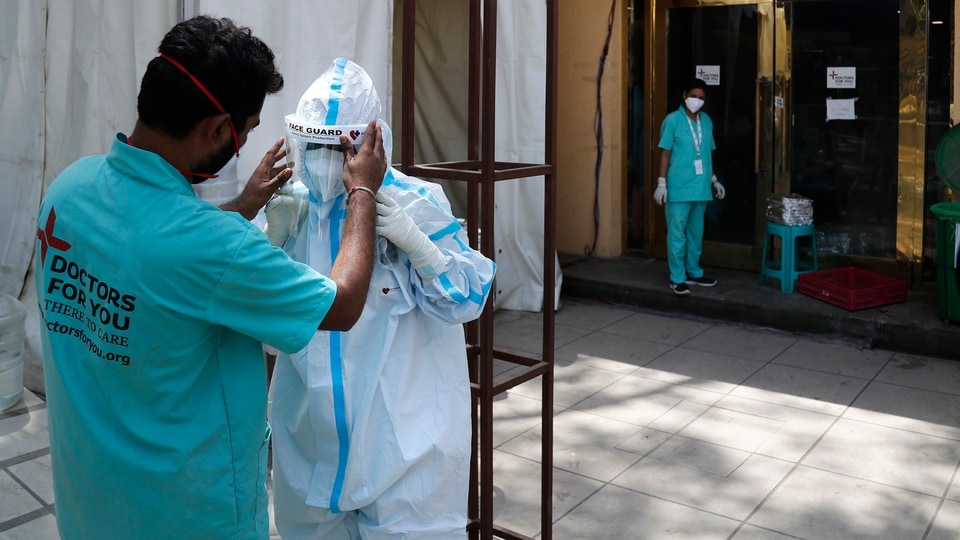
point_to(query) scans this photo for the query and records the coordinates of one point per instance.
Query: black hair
(696, 83)
(233, 64)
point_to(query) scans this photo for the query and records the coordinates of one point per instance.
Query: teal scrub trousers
(684, 238)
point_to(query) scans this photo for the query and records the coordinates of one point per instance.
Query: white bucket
(12, 330)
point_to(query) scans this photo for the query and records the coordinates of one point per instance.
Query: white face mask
(321, 171)
(693, 104)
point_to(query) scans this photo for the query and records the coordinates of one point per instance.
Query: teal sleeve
(270, 297)
(666, 133)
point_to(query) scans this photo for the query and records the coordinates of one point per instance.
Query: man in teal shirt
(686, 173)
(154, 304)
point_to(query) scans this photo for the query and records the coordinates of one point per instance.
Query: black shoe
(703, 281)
(680, 288)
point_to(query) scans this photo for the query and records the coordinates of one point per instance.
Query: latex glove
(396, 226)
(660, 195)
(284, 212)
(718, 188)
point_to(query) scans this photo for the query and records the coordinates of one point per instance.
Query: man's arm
(354, 264)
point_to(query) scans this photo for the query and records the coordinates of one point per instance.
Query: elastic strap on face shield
(196, 81)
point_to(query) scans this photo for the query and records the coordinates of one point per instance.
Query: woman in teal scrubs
(686, 173)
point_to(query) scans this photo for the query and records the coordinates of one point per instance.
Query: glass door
(846, 132)
(728, 44)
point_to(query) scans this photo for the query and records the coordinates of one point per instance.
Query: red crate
(852, 288)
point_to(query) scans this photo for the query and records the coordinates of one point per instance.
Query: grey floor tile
(922, 372)
(705, 476)
(641, 401)
(507, 316)
(679, 416)
(912, 409)
(708, 371)
(954, 493)
(23, 434)
(16, 500)
(798, 432)
(750, 532)
(839, 358)
(513, 414)
(894, 457)
(734, 429)
(657, 328)
(572, 383)
(42, 528)
(612, 352)
(802, 389)
(753, 344)
(501, 367)
(525, 335)
(38, 475)
(583, 443)
(615, 513)
(590, 315)
(645, 441)
(816, 505)
(30, 399)
(516, 500)
(946, 526)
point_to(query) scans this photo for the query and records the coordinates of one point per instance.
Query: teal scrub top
(683, 182)
(154, 305)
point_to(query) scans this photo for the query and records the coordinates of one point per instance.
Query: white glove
(284, 212)
(396, 226)
(718, 187)
(660, 195)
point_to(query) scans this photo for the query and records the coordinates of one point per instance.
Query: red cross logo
(48, 239)
(833, 74)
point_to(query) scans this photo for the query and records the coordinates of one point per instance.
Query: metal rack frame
(482, 172)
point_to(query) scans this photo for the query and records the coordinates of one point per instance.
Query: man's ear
(213, 130)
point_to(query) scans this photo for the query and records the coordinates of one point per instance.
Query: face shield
(342, 101)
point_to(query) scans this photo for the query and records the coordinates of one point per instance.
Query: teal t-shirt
(679, 136)
(154, 305)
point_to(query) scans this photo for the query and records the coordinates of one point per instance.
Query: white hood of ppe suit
(341, 100)
(378, 416)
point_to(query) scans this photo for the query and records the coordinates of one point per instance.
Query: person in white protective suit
(372, 426)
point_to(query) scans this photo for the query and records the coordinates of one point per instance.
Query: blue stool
(787, 269)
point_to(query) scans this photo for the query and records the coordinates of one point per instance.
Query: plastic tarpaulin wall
(70, 72)
(21, 140)
(441, 130)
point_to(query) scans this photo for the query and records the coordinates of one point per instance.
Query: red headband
(233, 128)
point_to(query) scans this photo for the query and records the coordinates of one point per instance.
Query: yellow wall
(582, 32)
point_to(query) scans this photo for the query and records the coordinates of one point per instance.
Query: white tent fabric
(21, 149)
(70, 72)
(441, 131)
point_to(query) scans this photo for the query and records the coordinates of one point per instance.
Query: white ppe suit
(372, 426)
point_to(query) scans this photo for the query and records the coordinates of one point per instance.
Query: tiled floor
(668, 427)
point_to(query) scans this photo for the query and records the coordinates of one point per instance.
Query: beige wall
(582, 32)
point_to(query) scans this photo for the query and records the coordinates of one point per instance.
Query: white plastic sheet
(21, 140)
(441, 130)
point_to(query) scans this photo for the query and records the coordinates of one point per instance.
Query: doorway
(730, 46)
